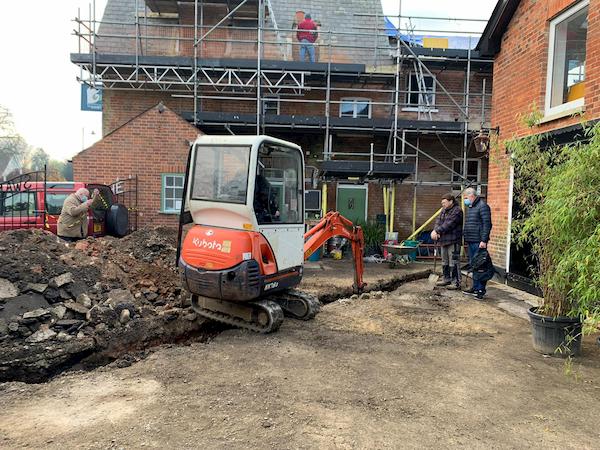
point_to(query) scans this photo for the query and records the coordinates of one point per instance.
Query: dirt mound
(60, 303)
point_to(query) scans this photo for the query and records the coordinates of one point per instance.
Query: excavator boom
(332, 225)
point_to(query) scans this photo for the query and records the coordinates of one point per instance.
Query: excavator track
(267, 314)
(297, 304)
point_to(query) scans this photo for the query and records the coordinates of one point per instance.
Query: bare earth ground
(415, 368)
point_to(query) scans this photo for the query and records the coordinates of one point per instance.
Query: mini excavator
(243, 257)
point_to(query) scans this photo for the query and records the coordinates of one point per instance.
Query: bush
(560, 198)
(374, 236)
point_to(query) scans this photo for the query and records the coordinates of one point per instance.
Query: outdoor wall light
(482, 142)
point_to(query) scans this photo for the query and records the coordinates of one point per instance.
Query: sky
(38, 82)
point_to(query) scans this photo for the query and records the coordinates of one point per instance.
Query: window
(279, 185)
(54, 202)
(473, 173)
(221, 173)
(172, 192)
(355, 107)
(17, 204)
(271, 106)
(566, 60)
(420, 95)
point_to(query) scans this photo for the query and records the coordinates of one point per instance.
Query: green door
(351, 202)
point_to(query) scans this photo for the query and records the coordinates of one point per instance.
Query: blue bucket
(316, 256)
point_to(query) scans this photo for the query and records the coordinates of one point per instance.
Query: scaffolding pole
(466, 135)
(195, 63)
(259, 108)
(326, 141)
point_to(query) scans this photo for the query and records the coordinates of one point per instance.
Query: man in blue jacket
(478, 225)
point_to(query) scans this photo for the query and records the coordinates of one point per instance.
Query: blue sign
(91, 98)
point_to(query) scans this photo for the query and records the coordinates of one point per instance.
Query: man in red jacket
(307, 35)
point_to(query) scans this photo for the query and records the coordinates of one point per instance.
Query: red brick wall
(520, 83)
(151, 144)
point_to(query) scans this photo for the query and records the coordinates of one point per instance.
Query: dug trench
(113, 301)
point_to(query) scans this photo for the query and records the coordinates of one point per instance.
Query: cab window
(278, 185)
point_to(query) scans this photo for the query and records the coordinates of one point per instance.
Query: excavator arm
(334, 224)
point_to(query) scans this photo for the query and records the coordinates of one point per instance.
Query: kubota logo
(210, 233)
(211, 245)
(224, 247)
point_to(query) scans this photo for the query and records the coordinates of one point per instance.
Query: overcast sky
(38, 81)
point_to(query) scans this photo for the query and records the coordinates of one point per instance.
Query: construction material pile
(62, 303)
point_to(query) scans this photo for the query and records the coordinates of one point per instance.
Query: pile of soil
(61, 303)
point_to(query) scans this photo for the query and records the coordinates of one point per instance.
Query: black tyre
(117, 220)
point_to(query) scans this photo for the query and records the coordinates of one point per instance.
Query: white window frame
(568, 107)
(461, 160)
(355, 101)
(417, 108)
(271, 98)
(163, 188)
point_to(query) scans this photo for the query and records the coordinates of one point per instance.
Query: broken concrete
(76, 307)
(36, 313)
(7, 289)
(43, 334)
(61, 280)
(36, 287)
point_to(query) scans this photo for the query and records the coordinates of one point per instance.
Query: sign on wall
(91, 98)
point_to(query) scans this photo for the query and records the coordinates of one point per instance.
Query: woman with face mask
(447, 232)
(73, 220)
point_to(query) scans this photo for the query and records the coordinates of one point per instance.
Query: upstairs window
(565, 84)
(473, 173)
(420, 92)
(271, 106)
(355, 107)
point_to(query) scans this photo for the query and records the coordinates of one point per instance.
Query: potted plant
(559, 197)
(374, 234)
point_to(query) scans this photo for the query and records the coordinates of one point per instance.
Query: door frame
(364, 187)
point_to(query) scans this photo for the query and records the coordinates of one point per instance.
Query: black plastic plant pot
(555, 336)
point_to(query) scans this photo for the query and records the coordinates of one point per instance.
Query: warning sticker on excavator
(246, 256)
(226, 248)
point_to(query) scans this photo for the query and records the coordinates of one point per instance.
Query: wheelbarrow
(400, 253)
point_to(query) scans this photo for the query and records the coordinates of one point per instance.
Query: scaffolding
(245, 61)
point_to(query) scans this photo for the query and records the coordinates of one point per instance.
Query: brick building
(375, 109)
(545, 60)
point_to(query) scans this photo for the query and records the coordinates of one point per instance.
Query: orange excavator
(243, 257)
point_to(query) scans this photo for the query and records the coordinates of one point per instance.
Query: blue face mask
(467, 202)
(84, 198)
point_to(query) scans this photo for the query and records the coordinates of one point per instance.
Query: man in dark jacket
(447, 231)
(307, 35)
(478, 225)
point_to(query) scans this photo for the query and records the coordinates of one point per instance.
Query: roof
(347, 19)
(489, 43)
(454, 42)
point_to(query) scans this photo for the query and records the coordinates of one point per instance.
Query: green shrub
(559, 196)
(374, 236)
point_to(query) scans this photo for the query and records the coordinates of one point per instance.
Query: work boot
(446, 280)
(455, 282)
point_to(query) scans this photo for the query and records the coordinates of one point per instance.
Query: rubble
(61, 303)
(7, 289)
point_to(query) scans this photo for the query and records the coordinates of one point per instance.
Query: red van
(22, 205)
